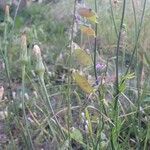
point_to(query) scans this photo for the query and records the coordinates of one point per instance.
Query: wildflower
(142, 110)
(82, 117)
(100, 66)
(86, 122)
(26, 96)
(35, 94)
(30, 120)
(37, 51)
(14, 95)
(1, 92)
(86, 128)
(40, 68)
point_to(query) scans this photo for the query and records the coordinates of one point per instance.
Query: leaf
(89, 121)
(83, 57)
(93, 19)
(82, 82)
(76, 135)
(87, 30)
(122, 84)
(88, 13)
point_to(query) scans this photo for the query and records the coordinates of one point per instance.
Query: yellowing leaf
(83, 57)
(82, 82)
(93, 19)
(87, 30)
(88, 13)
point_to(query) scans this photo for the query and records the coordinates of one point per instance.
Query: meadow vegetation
(75, 74)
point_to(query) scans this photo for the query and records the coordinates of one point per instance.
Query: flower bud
(40, 69)
(7, 8)
(14, 95)
(36, 51)
(24, 57)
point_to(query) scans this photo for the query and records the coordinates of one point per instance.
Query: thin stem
(69, 121)
(30, 145)
(95, 45)
(137, 38)
(115, 135)
(113, 18)
(50, 107)
(117, 57)
(16, 12)
(135, 19)
(5, 52)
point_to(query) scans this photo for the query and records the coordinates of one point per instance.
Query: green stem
(135, 20)
(50, 107)
(69, 120)
(117, 58)
(116, 109)
(95, 45)
(113, 18)
(5, 52)
(137, 38)
(30, 144)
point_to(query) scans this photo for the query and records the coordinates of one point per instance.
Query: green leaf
(76, 135)
(122, 84)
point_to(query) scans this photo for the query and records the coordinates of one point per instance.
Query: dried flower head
(37, 50)
(7, 8)
(23, 40)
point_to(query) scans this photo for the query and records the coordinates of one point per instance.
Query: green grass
(49, 109)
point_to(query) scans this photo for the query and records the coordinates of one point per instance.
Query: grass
(46, 101)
